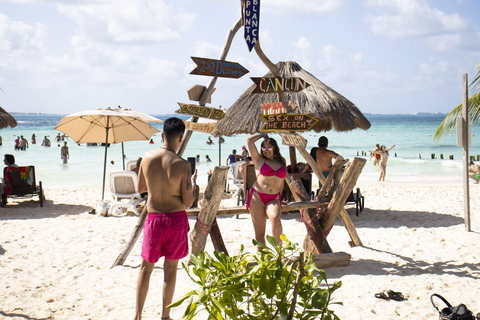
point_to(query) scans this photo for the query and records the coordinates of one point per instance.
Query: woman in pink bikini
(265, 196)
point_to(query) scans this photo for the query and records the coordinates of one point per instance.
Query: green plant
(246, 286)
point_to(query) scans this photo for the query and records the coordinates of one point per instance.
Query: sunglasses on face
(267, 148)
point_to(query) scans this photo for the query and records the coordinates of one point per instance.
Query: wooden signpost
(252, 20)
(288, 122)
(293, 139)
(205, 127)
(218, 68)
(275, 85)
(200, 111)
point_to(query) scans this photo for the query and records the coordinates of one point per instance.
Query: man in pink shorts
(168, 180)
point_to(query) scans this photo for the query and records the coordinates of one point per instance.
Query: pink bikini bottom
(264, 197)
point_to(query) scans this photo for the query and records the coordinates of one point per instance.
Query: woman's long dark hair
(383, 148)
(276, 151)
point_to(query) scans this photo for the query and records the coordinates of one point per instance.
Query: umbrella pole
(220, 151)
(105, 161)
(123, 158)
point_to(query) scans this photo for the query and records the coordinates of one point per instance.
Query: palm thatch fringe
(320, 101)
(6, 119)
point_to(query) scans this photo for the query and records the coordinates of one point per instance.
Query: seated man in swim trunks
(474, 172)
(170, 185)
(322, 156)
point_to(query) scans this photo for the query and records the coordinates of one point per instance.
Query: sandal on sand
(390, 294)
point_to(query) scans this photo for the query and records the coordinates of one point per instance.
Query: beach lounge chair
(235, 178)
(131, 164)
(248, 182)
(358, 199)
(123, 185)
(19, 182)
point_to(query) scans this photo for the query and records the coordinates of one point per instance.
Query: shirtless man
(167, 179)
(64, 153)
(322, 156)
(474, 172)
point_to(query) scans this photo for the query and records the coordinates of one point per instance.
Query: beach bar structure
(298, 94)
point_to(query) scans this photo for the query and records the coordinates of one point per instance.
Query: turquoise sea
(410, 161)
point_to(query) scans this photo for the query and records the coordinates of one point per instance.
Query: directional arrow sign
(288, 122)
(273, 85)
(200, 111)
(252, 20)
(293, 139)
(218, 68)
(200, 127)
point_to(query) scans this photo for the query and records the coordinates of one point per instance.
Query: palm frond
(450, 122)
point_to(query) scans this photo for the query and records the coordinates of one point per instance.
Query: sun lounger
(123, 185)
(19, 182)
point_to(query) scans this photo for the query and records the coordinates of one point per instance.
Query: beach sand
(55, 261)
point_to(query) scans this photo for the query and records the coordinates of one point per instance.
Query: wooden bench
(20, 182)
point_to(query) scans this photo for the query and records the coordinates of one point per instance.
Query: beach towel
(18, 180)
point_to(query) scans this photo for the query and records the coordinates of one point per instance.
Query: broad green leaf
(180, 301)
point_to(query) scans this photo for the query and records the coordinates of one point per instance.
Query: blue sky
(386, 56)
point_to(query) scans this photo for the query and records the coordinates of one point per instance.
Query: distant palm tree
(450, 122)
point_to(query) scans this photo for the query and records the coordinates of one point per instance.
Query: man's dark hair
(172, 128)
(10, 158)
(322, 142)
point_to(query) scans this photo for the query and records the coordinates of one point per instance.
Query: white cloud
(302, 43)
(287, 7)
(128, 21)
(18, 37)
(400, 19)
(205, 49)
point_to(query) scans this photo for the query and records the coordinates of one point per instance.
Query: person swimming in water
(265, 196)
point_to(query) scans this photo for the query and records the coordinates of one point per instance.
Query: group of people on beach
(169, 183)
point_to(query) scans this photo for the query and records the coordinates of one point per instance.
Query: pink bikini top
(266, 170)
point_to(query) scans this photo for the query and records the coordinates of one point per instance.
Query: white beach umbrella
(145, 117)
(105, 126)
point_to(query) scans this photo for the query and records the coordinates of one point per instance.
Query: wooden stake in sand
(133, 239)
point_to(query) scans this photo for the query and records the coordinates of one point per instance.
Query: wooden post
(317, 235)
(465, 139)
(133, 238)
(217, 238)
(347, 222)
(293, 159)
(207, 92)
(347, 183)
(206, 218)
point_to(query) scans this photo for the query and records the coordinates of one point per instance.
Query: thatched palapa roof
(318, 100)
(6, 119)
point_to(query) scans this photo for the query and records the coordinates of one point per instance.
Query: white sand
(55, 261)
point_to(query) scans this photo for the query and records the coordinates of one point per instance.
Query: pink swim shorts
(165, 235)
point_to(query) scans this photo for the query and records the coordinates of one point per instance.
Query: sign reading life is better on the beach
(288, 122)
(274, 85)
(208, 127)
(218, 68)
(200, 111)
(252, 20)
(293, 139)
